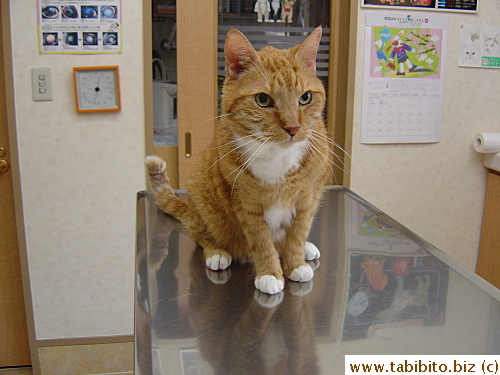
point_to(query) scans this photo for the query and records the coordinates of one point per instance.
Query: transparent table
(378, 288)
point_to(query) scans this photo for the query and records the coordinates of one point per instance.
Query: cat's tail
(162, 191)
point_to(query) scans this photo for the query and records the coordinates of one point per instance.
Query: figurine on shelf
(262, 8)
(287, 11)
(275, 5)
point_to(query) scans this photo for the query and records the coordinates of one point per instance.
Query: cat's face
(275, 98)
(490, 44)
(470, 53)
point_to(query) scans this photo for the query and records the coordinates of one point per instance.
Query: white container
(164, 112)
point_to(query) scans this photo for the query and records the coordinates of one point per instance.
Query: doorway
(14, 346)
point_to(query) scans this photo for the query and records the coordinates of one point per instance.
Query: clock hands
(97, 89)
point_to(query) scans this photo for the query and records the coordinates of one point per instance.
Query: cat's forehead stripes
(282, 70)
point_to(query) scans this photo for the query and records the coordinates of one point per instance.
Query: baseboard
(86, 356)
(85, 340)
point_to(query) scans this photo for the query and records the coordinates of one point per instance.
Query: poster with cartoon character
(404, 78)
(479, 46)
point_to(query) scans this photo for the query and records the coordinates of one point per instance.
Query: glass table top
(378, 288)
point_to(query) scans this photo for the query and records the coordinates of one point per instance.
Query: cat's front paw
(302, 273)
(311, 252)
(218, 262)
(269, 284)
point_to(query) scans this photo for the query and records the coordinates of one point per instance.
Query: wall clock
(97, 88)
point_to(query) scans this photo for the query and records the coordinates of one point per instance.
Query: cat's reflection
(243, 331)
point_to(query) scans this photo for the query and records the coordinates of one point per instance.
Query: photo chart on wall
(79, 26)
(479, 46)
(466, 6)
(403, 78)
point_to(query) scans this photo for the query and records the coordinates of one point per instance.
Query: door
(14, 348)
(197, 64)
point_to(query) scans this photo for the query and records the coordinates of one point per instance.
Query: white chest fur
(271, 162)
(278, 218)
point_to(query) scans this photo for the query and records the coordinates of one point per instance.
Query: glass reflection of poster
(393, 291)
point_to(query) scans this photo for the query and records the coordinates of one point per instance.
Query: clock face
(97, 89)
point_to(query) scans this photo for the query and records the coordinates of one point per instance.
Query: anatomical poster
(479, 46)
(403, 78)
(79, 26)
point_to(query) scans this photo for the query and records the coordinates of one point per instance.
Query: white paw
(299, 289)
(311, 251)
(303, 273)
(218, 262)
(220, 277)
(268, 300)
(269, 284)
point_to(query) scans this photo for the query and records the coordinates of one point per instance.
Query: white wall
(437, 190)
(79, 176)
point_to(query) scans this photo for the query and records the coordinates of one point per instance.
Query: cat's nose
(292, 131)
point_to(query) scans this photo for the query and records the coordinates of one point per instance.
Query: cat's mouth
(292, 139)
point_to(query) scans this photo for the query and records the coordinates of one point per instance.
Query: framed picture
(97, 89)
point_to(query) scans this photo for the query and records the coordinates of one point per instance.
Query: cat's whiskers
(342, 166)
(323, 138)
(331, 141)
(323, 141)
(230, 151)
(318, 154)
(234, 148)
(245, 152)
(236, 140)
(263, 146)
(216, 117)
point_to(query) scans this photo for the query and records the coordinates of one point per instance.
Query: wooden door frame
(196, 67)
(13, 151)
(338, 83)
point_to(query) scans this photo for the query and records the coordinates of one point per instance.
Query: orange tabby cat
(255, 192)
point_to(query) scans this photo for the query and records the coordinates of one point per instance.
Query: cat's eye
(263, 100)
(305, 98)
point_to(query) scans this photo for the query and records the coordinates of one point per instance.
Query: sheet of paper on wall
(403, 78)
(479, 46)
(79, 26)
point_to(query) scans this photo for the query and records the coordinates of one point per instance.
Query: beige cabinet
(488, 263)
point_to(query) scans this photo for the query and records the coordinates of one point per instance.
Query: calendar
(404, 72)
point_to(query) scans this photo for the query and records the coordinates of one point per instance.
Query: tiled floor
(16, 371)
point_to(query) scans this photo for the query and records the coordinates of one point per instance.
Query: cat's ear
(239, 53)
(308, 50)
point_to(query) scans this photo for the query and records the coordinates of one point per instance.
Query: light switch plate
(42, 83)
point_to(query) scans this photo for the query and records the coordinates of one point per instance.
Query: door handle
(4, 166)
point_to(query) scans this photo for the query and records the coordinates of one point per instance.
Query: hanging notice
(79, 26)
(403, 78)
(469, 6)
(479, 46)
